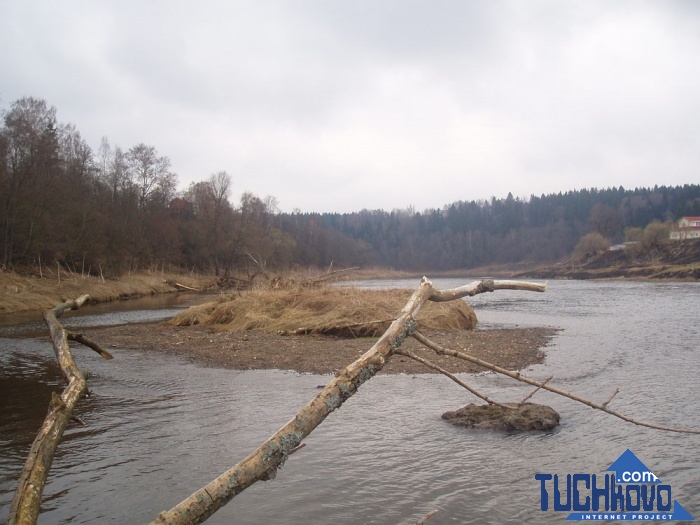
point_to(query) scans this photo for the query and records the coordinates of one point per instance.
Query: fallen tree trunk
(181, 286)
(263, 463)
(27, 499)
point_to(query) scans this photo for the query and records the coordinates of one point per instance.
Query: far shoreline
(33, 293)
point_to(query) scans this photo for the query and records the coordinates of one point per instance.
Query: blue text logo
(630, 492)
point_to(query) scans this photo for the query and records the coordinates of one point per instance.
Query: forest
(114, 210)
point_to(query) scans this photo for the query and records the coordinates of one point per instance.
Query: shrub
(656, 234)
(590, 244)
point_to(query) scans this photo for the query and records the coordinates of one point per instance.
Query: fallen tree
(263, 463)
(27, 499)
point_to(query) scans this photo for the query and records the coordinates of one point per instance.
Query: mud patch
(511, 348)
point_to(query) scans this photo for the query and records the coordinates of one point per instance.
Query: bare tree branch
(606, 403)
(181, 286)
(333, 274)
(85, 340)
(535, 391)
(426, 517)
(516, 375)
(454, 378)
(487, 285)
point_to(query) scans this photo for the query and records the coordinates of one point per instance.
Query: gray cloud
(339, 106)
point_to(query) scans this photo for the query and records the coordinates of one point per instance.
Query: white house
(688, 228)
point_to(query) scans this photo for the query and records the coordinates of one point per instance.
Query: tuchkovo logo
(631, 492)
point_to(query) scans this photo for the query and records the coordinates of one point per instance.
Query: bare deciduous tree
(214, 217)
(31, 149)
(148, 170)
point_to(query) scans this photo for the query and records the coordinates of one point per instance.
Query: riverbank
(679, 261)
(27, 293)
(669, 261)
(514, 349)
(511, 348)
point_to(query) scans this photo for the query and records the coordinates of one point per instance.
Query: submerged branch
(519, 377)
(426, 517)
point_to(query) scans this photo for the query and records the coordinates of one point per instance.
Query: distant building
(688, 228)
(624, 245)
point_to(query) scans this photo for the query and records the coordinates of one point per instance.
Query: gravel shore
(511, 348)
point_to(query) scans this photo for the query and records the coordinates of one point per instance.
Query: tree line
(116, 210)
(467, 234)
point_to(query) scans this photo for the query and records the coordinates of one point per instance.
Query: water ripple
(160, 428)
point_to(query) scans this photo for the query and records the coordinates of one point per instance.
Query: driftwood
(27, 499)
(312, 282)
(181, 286)
(330, 275)
(426, 517)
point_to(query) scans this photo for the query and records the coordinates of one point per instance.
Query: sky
(340, 106)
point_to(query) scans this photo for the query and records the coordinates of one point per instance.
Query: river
(160, 427)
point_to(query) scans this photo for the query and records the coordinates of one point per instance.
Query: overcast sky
(345, 105)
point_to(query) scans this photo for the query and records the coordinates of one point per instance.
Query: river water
(160, 427)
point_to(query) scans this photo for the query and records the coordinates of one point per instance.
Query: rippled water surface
(160, 428)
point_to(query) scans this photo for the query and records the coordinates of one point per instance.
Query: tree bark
(27, 499)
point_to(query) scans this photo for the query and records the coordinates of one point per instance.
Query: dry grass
(31, 293)
(325, 310)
